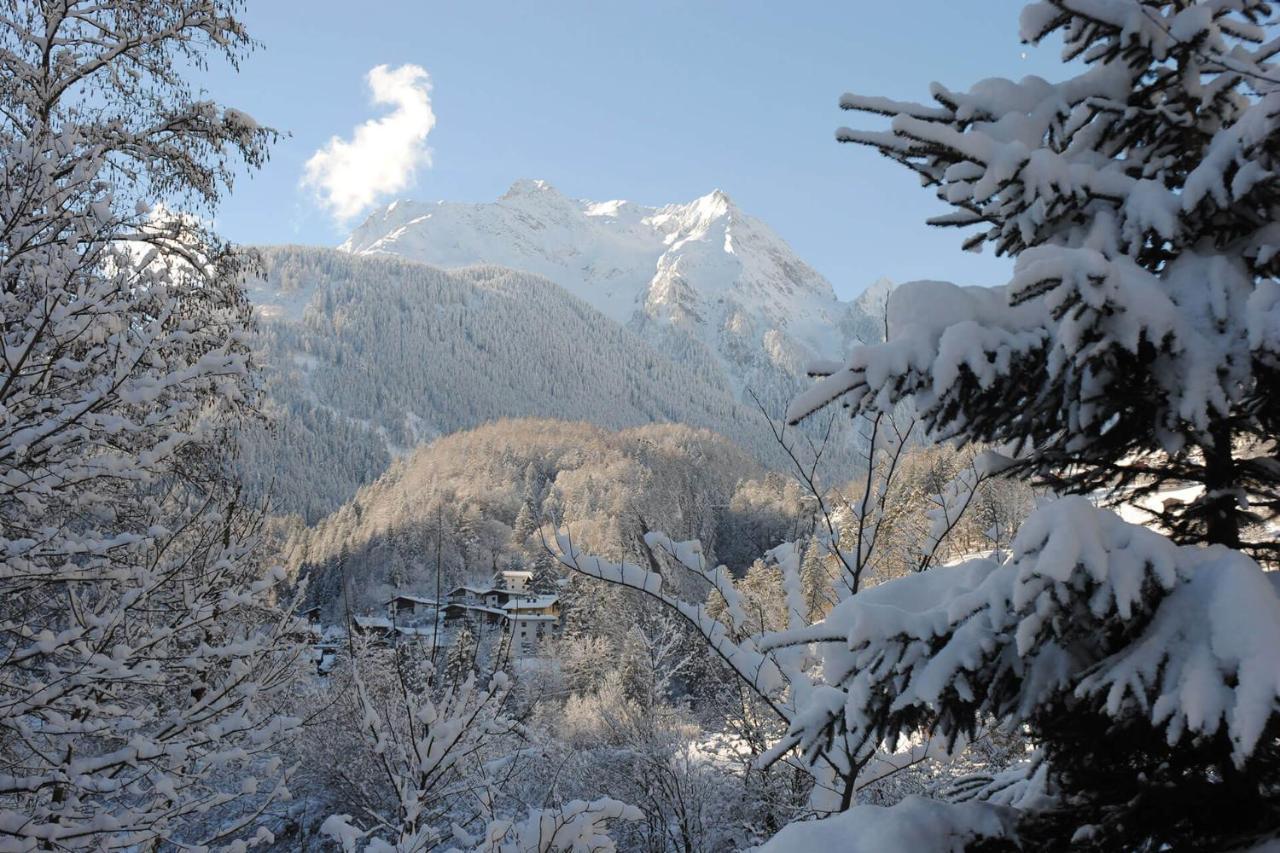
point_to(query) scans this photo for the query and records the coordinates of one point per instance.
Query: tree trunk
(1221, 513)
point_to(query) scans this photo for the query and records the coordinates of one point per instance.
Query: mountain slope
(468, 491)
(367, 357)
(701, 277)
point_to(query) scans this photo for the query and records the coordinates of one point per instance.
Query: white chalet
(515, 580)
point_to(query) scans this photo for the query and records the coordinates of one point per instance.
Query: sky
(655, 102)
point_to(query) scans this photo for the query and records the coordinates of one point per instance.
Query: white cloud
(383, 153)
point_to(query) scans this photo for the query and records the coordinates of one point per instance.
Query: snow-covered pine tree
(138, 648)
(525, 524)
(546, 573)
(460, 662)
(1135, 349)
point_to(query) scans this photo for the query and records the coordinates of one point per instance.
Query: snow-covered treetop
(1139, 199)
(72, 70)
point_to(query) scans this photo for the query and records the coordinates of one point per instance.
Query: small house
(533, 618)
(475, 614)
(377, 627)
(410, 607)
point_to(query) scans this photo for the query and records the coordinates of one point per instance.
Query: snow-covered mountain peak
(524, 187)
(714, 205)
(682, 221)
(613, 209)
(540, 200)
(701, 273)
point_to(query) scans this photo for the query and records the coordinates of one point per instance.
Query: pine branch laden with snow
(1140, 334)
(1090, 613)
(917, 824)
(139, 648)
(1102, 637)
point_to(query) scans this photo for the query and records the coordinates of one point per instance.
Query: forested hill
(368, 356)
(482, 494)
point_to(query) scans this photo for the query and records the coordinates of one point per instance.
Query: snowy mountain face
(610, 313)
(366, 357)
(702, 274)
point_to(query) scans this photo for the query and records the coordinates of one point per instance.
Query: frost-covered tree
(1134, 350)
(740, 620)
(436, 755)
(525, 523)
(138, 648)
(460, 661)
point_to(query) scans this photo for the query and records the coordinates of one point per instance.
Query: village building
(477, 614)
(508, 603)
(410, 608)
(515, 580)
(378, 627)
(533, 618)
(534, 605)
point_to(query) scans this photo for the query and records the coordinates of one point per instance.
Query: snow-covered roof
(479, 590)
(416, 599)
(372, 622)
(536, 602)
(480, 607)
(416, 632)
(517, 573)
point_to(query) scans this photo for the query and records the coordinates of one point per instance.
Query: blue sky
(651, 101)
